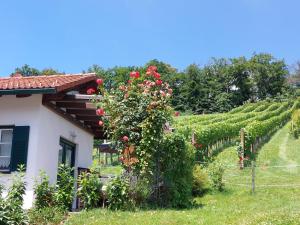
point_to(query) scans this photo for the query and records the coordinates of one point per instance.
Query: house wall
(46, 128)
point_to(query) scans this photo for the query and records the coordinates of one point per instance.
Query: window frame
(7, 127)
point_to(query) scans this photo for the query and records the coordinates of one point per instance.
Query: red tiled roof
(59, 82)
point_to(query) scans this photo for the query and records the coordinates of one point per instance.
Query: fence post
(253, 171)
(243, 147)
(193, 137)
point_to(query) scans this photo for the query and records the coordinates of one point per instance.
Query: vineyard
(211, 133)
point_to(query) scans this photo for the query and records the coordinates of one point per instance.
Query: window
(13, 147)
(66, 153)
(6, 137)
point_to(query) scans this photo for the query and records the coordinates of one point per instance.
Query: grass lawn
(276, 201)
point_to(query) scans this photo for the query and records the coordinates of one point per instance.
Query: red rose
(125, 138)
(134, 74)
(91, 91)
(158, 82)
(100, 112)
(137, 74)
(129, 81)
(177, 113)
(156, 75)
(99, 81)
(152, 68)
(170, 91)
(101, 123)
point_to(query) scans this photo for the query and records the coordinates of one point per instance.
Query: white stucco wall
(46, 128)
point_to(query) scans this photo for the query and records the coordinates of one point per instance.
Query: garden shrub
(64, 189)
(118, 194)
(46, 215)
(200, 181)
(216, 172)
(89, 189)
(176, 165)
(11, 207)
(44, 192)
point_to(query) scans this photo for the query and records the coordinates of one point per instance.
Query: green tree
(50, 71)
(26, 71)
(268, 75)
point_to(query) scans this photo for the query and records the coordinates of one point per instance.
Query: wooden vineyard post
(243, 148)
(193, 138)
(252, 172)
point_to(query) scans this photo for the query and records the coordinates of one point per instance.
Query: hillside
(276, 201)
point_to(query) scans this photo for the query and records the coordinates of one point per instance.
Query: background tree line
(218, 86)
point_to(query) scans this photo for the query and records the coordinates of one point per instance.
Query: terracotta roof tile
(59, 82)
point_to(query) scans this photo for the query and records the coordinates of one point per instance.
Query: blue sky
(71, 35)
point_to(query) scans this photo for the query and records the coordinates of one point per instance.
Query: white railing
(4, 162)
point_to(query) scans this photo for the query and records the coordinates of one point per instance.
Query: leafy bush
(44, 192)
(64, 190)
(216, 172)
(118, 195)
(139, 189)
(46, 215)
(11, 211)
(176, 165)
(89, 189)
(200, 181)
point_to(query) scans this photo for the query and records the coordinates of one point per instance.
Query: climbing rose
(99, 82)
(91, 91)
(158, 82)
(170, 91)
(152, 68)
(100, 112)
(101, 123)
(134, 74)
(125, 138)
(156, 75)
(177, 113)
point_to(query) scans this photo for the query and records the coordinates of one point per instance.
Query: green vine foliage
(267, 124)
(295, 126)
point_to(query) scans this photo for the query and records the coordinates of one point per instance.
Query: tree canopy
(218, 86)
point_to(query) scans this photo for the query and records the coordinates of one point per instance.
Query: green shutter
(19, 147)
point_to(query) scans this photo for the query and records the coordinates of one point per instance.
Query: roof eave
(28, 91)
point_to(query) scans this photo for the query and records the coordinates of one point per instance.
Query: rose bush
(137, 113)
(136, 117)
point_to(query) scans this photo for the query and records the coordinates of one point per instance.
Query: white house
(45, 121)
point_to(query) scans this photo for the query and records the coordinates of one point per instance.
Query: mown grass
(236, 205)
